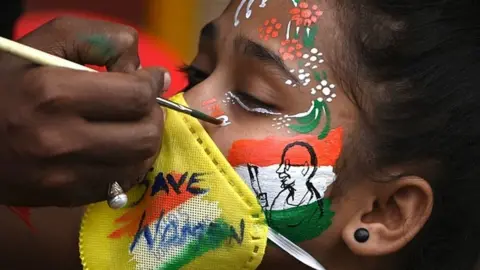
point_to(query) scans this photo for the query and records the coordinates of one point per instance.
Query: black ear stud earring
(361, 235)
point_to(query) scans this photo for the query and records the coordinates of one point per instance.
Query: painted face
(263, 65)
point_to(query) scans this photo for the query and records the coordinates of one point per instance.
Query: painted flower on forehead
(305, 15)
(291, 49)
(269, 29)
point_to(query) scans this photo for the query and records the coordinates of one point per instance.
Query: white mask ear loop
(294, 250)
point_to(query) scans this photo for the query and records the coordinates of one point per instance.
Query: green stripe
(303, 222)
(213, 238)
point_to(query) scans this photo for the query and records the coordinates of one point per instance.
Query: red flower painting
(305, 15)
(291, 49)
(269, 29)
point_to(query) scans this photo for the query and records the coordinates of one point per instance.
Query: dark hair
(417, 67)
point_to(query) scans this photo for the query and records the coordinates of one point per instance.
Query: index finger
(104, 96)
(87, 41)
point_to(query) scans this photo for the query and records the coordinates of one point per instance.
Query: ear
(393, 213)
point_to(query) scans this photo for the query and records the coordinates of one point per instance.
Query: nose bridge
(281, 168)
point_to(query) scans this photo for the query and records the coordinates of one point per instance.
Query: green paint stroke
(101, 45)
(216, 234)
(309, 38)
(296, 35)
(311, 121)
(317, 76)
(302, 223)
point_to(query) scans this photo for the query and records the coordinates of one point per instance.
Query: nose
(208, 96)
(281, 169)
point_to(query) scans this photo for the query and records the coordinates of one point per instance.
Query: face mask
(193, 211)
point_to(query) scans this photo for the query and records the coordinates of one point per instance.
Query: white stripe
(171, 239)
(270, 183)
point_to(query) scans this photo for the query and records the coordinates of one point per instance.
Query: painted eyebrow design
(250, 48)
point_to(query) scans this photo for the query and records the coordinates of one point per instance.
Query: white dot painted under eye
(326, 91)
(332, 86)
(313, 58)
(315, 67)
(329, 100)
(292, 70)
(301, 71)
(320, 99)
(287, 125)
(308, 64)
(321, 61)
(314, 50)
(289, 82)
(313, 92)
(305, 56)
(319, 87)
(324, 82)
(301, 76)
(334, 95)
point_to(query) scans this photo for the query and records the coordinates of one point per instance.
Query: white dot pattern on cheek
(308, 74)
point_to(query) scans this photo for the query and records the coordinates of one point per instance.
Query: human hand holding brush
(65, 134)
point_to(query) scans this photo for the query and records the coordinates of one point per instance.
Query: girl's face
(264, 66)
(267, 68)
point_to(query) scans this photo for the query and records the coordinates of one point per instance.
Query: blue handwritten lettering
(175, 234)
(175, 230)
(168, 182)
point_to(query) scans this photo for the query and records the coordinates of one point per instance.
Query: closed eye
(252, 104)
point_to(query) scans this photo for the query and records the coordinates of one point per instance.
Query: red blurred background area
(152, 51)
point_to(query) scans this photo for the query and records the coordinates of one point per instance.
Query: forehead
(247, 16)
(273, 23)
(250, 13)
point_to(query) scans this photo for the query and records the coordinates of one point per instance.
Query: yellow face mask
(193, 211)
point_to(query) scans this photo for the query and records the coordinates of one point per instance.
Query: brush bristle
(206, 118)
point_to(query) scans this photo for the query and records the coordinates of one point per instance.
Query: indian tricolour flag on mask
(173, 225)
(290, 176)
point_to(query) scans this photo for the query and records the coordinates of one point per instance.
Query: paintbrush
(43, 58)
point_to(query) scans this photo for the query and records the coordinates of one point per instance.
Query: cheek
(300, 211)
(296, 171)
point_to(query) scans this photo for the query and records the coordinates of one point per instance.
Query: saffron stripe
(268, 151)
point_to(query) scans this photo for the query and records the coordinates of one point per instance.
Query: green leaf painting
(311, 121)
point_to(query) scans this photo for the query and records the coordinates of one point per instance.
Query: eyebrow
(258, 51)
(250, 48)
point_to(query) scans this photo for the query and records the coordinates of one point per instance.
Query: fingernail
(167, 80)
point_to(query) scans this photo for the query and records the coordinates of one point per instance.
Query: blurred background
(175, 22)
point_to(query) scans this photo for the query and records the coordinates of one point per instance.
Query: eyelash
(196, 76)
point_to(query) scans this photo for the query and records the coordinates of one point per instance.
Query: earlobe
(396, 212)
